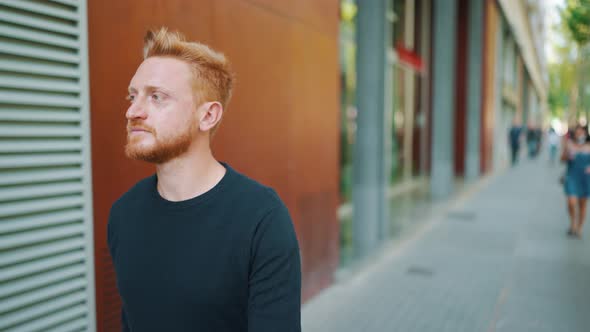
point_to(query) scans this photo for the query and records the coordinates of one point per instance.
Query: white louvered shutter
(46, 244)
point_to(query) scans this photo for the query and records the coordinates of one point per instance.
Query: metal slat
(73, 3)
(44, 146)
(36, 236)
(40, 160)
(40, 205)
(40, 131)
(41, 9)
(37, 310)
(29, 66)
(77, 325)
(45, 25)
(40, 280)
(59, 317)
(37, 37)
(45, 293)
(38, 99)
(45, 264)
(38, 52)
(36, 176)
(40, 251)
(38, 221)
(42, 190)
(38, 115)
(39, 84)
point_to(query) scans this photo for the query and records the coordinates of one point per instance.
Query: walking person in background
(553, 140)
(538, 140)
(576, 153)
(514, 140)
(531, 140)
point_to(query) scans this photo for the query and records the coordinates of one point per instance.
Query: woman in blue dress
(576, 153)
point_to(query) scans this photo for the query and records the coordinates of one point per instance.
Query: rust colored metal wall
(281, 128)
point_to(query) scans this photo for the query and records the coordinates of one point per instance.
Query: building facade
(431, 94)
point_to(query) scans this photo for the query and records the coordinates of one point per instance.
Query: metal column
(370, 174)
(474, 88)
(443, 106)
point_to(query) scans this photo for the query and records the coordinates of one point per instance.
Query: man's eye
(156, 97)
(130, 97)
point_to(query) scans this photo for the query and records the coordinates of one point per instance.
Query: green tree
(563, 73)
(576, 16)
(569, 77)
(562, 78)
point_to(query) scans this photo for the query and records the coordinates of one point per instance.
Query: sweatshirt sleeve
(112, 240)
(274, 300)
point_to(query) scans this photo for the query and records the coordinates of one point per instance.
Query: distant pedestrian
(532, 141)
(539, 140)
(553, 140)
(576, 153)
(514, 141)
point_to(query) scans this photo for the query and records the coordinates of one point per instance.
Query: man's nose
(136, 111)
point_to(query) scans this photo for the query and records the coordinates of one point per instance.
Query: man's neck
(189, 175)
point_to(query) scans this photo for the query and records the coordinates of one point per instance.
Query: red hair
(213, 78)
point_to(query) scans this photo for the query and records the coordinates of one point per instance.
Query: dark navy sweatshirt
(226, 260)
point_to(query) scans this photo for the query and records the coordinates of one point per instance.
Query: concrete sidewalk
(498, 260)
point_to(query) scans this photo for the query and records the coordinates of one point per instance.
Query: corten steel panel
(314, 134)
(461, 88)
(261, 134)
(283, 8)
(282, 127)
(116, 30)
(254, 133)
(320, 15)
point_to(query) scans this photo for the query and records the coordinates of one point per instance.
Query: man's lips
(138, 130)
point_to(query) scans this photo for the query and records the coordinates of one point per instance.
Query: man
(197, 246)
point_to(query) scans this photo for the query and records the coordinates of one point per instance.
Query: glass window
(348, 93)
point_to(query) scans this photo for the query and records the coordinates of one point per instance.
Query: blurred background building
(346, 107)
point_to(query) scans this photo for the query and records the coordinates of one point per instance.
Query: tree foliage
(576, 16)
(562, 79)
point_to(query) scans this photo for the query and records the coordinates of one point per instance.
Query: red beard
(162, 150)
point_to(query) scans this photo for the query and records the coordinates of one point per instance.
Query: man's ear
(210, 115)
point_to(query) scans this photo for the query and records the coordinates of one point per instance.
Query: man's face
(161, 120)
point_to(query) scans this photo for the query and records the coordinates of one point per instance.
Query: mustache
(138, 125)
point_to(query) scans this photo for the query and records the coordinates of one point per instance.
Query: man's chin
(156, 153)
(141, 154)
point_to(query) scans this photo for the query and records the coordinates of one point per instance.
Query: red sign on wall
(409, 58)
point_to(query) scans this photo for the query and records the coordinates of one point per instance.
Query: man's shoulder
(254, 201)
(135, 194)
(264, 213)
(254, 192)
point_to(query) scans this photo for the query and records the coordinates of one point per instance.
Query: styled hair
(213, 78)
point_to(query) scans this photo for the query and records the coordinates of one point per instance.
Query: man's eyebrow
(155, 87)
(149, 88)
